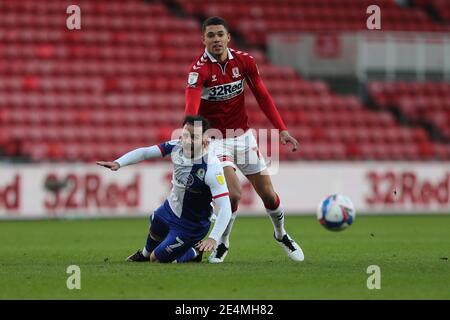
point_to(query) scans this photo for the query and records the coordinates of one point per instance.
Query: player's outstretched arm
(267, 105)
(133, 157)
(113, 165)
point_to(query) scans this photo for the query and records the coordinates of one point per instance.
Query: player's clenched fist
(285, 138)
(113, 165)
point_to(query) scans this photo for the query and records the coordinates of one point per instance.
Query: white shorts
(241, 153)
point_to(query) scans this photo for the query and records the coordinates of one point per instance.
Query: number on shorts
(179, 243)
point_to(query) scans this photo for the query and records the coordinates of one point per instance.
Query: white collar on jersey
(230, 56)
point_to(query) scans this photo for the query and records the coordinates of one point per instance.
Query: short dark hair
(214, 21)
(190, 119)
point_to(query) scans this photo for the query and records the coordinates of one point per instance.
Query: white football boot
(291, 247)
(219, 254)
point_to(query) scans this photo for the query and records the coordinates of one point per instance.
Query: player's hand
(113, 165)
(285, 138)
(207, 245)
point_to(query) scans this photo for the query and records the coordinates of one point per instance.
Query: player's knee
(270, 200)
(154, 236)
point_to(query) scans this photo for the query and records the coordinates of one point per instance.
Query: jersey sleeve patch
(220, 179)
(193, 77)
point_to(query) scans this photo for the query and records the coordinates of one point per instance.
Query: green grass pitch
(411, 251)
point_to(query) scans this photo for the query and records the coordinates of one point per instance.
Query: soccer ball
(336, 212)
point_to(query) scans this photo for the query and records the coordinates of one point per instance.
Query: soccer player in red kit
(215, 90)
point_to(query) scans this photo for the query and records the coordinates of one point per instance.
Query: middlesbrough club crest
(236, 73)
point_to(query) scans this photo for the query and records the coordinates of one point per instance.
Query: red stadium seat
(80, 96)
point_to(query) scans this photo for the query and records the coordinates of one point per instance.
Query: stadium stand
(119, 84)
(257, 18)
(440, 7)
(419, 103)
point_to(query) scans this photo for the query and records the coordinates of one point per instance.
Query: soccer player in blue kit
(183, 220)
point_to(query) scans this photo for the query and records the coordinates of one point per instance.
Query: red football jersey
(216, 91)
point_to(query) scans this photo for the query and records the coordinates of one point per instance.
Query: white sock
(145, 253)
(225, 239)
(277, 217)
